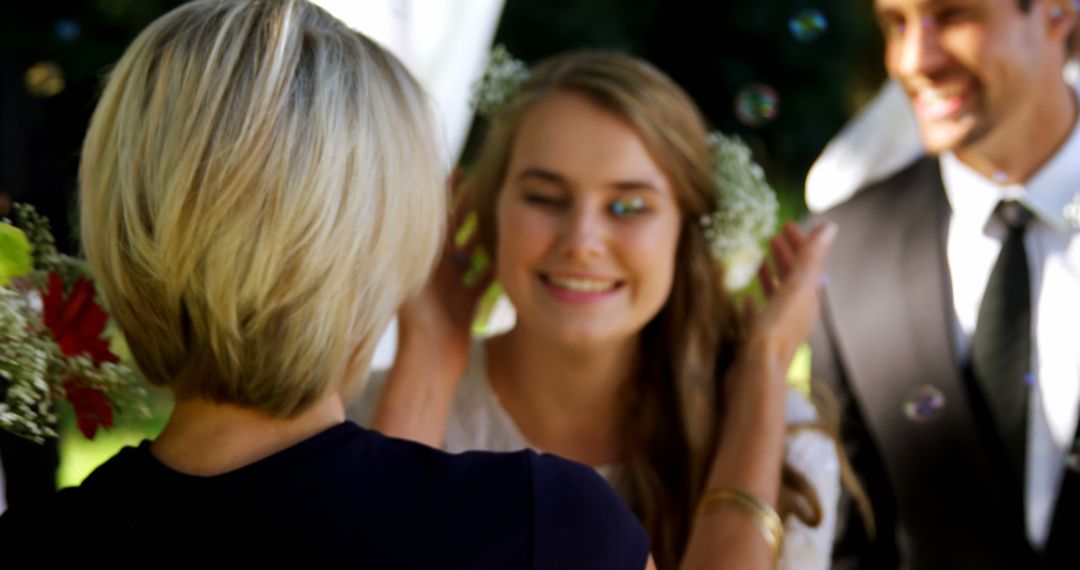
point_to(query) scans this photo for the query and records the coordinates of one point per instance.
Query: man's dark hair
(1073, 41)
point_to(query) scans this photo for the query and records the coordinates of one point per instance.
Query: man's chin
(939, 137)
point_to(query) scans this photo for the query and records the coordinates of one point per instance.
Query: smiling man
(950, 322)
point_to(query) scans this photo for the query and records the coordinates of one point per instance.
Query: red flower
(91, 407)
(77, 322)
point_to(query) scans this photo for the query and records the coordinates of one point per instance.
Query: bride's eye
(628, 206)
(545, 199)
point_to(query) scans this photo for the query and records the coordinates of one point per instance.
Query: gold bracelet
(763, 515)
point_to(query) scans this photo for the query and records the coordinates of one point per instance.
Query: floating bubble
(44, 79)
(924, 404)
(67, 30)
(1072, 460)
(808, 24)
(756, 105)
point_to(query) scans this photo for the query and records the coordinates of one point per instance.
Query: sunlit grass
(798, 375)
(80, 456)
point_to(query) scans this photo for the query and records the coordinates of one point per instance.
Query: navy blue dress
(347, 497)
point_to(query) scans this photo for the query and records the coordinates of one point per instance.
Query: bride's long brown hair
(672, 405)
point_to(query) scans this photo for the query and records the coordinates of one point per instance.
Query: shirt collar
(1046, 194)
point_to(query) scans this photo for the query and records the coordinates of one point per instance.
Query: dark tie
(1001, 347)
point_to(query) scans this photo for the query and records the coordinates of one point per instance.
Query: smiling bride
(628, 354)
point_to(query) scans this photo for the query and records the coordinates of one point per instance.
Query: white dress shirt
(1052, 244)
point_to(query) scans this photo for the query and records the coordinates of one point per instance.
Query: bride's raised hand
(438, 320)
(791, 285)
(749, 452)
(434, 336)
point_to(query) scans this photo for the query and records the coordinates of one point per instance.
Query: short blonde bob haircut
(260, 189)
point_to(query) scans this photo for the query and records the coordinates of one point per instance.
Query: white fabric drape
(445, 44)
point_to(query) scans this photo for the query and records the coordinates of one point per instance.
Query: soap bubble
(808, 24)
(924, 404)
(1072, 460)
(756, 105)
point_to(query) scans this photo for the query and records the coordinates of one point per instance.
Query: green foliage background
(713, 49)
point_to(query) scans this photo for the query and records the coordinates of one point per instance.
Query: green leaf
(16, 254)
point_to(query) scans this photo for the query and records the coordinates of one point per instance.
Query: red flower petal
(91, 407)
(87, 426)
(77, 322)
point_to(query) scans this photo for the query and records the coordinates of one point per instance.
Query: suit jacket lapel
(1060, 551)
(926, 312)
(893, 312)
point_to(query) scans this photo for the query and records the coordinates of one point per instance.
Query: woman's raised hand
(790, 281)
(438, 320)
(750, 448)
(791, 285)
(434, 336)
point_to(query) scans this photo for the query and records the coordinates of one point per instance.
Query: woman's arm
(433, 342)
(750, 450)
(415, 400)
(749, 457)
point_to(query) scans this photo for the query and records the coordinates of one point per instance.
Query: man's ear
(1063, 16)
(1073, 10)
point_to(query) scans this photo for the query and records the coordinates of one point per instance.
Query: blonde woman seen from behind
(627, 353)
(245, 183)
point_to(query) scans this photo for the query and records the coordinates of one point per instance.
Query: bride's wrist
(756, 394)
(762, 364)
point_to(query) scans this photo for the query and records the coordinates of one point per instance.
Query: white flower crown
(746, 205)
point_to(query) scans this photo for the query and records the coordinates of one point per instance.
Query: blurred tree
(822, 60)
(713, 49)
(83, 38)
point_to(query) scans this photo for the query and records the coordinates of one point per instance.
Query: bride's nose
(583, 233)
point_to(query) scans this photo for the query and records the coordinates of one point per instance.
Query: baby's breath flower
(502, 78)
(25, 395)
(746, 207)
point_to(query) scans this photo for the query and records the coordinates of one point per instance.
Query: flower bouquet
(52, 338)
